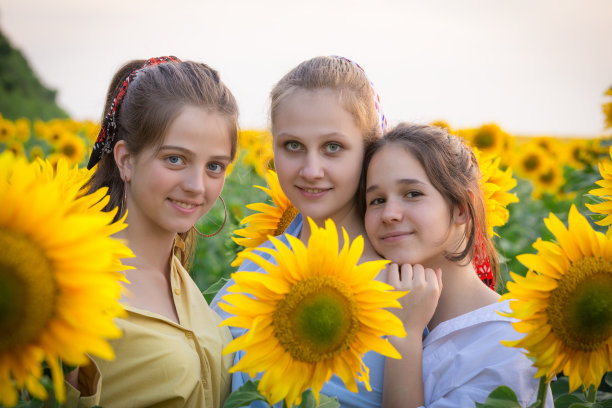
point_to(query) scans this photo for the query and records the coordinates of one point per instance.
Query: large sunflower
(605, 192)
(271, 220)
(496, 184)
(59, 279)
(564, 303)
(313, 315)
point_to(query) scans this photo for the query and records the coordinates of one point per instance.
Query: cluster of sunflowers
(54, 140)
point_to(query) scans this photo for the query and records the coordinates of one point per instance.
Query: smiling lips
(395, 236)
(187, 207)
(313, 192)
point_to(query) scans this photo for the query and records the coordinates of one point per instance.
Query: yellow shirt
(160, 363)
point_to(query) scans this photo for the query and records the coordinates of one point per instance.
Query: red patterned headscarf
(108, 133)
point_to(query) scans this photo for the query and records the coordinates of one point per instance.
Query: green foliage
(501, 397)
(21, 92)
(215, 254)
(248, 393)
(526, 222)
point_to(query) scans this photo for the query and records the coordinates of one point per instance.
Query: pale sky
(532, 66)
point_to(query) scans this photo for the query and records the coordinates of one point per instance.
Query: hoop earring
(222, 225)
(124, 198)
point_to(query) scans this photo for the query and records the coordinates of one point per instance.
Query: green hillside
(21, 92)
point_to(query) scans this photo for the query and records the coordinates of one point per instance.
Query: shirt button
(204, 382)
(177, 291)
(189, 335)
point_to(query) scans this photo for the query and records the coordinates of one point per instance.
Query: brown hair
(452, 168)
(354, 90)
(153, 100)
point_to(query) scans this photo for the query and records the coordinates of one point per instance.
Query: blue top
(334, 387)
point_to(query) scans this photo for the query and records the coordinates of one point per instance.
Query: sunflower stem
(591, 394)
(542, 391)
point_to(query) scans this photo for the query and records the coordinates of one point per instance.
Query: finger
(418, 273)
(393, 275)
(406, 273)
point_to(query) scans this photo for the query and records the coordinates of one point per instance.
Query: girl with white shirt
(424, 211)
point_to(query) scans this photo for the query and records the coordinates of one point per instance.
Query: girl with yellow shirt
(168, 135)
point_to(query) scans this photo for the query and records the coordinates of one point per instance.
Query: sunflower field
(534, 181)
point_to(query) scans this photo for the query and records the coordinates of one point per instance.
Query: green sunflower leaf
(501, 397)
(244, 396)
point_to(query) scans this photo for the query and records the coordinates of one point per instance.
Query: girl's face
(318, 153)
(174, 185)
(407, 219)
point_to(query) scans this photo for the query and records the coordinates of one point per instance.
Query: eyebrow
(188, 152)
(321, 136)
(401, 182)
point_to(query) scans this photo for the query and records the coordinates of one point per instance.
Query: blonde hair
(355, 92)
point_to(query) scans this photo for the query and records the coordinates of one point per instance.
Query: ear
(460, 215)
(124, 160)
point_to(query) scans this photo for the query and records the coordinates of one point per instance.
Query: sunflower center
(484, 139)
(531, 162)
(317, 319)
(580, 309)
(68, 150)
(27, 289)
(285, 220)
(547, 177)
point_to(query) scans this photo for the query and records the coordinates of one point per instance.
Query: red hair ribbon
(108, 133)
(481, 261)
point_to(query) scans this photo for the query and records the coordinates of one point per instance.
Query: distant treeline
(21, 92)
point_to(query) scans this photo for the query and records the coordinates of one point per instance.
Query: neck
(152, 249)
(462, 292)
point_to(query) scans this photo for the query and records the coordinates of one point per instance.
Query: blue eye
(333, 147)
(216, 167)
(175, 160)
(293, 146)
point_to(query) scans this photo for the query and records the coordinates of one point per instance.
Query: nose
(312, 168)
(392, 211)
(194, 181)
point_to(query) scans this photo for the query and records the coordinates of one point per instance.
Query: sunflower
(36, 152)
(22, 129)
(531, 160)
(496, 184)
(59, 279)
(564, 303)
(607, 110)
(605, 192)
(575, 153)
(7, 130)
(313, 315)
(15, 147)
(488, 138)
(256, 150)
(272, 220)
(71, 147)
(549, 180)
